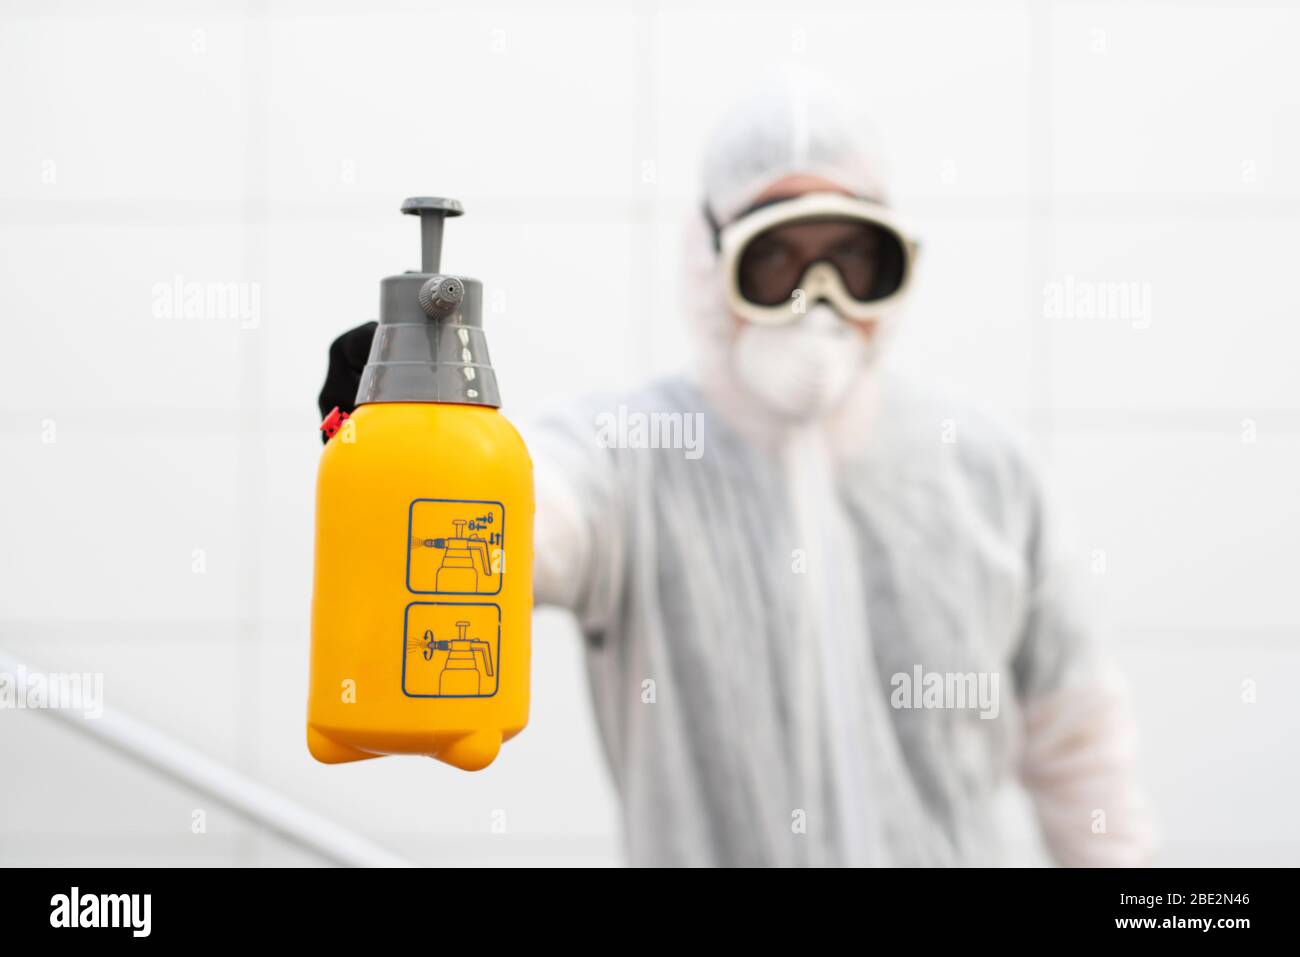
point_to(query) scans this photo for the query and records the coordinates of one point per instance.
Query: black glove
(348, 356)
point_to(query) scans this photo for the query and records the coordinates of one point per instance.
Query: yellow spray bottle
(422, 600)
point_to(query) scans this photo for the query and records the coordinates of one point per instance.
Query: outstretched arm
(579, 531)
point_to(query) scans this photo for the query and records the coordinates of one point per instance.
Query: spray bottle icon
(461, 675)
(464, 561)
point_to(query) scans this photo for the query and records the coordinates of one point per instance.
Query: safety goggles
(781, 258)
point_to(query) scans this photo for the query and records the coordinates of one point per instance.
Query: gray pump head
(430, 346)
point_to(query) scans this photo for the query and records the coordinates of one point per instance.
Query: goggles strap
(717, 227)
(714, 226)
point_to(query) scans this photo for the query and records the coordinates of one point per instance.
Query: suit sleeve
(580, 559)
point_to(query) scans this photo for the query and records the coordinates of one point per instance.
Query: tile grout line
(252, 387)
(1040, 222)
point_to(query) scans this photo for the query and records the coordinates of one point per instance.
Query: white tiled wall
(269, 144)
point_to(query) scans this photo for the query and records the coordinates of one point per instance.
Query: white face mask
(802, 369)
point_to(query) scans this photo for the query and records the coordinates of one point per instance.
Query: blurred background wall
(157, 470)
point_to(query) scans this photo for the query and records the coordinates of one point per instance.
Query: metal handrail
(255, 802)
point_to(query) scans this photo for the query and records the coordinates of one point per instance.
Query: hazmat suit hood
(793, 123)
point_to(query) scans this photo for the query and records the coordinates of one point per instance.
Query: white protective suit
(746, 610)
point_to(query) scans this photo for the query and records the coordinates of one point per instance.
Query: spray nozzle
(440, 296)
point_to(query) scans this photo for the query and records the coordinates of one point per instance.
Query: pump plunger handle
(432, 210)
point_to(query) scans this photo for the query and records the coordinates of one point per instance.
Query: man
(835, 634)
